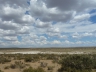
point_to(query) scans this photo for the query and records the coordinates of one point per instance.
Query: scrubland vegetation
(49, 62)
(65, 62)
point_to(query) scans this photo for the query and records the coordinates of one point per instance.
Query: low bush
(4, 60)
(6, 67)
(1, 71)
(43, 64)
(20, 64)
(28, 59)
(50, 67)
(76, 63)
(13, 66)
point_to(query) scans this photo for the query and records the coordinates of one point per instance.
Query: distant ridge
(43, 47)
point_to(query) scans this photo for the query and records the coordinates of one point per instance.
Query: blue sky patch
(19, 38)
(93, 19)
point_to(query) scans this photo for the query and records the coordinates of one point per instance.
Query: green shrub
(4, 60)
(28, 59)
(76, 63)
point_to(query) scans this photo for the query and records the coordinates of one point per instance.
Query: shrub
(28, 59)
(3, 60)
(43, 64)
(1, 71)
(76, 63)
(6, 67)
(13, 66)
(19, 64)
(50, 67)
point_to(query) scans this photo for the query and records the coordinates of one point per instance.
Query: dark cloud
(8, 27)
(77, 5)
(48, 14)
(62, 4)
(23, 32)
(10, 34)
(57, 17)
(14, 3)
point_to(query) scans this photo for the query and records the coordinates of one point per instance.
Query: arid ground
(18, 59)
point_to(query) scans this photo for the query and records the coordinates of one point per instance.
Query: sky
(47, 23)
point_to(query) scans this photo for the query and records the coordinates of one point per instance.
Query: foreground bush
(76, 63)
(28, 59)
(1, 71)
(20, 64)
(4, 60)
(13, 66)
(30, 69)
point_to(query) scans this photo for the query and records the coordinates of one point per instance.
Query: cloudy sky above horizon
(47, 23)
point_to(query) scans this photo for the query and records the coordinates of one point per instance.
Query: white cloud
(68, 42)
(78, 42)
(76, 35)
(87, 34)
(33, 36)
(8, 25)
(81, 17)
(28, 19)
(56, 42)
(81, 35)
(10, 38)
(63, 36)
(41, 24)
(23, 30)
(43, 38)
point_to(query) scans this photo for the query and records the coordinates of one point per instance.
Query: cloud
(82, 35)
(67, 5)
(87, 34)
(16, 15)
(44, 23)
(81, 17)
(39, 10)
(21, 3)
(8, 25)
(40, 24)
(63, 36)
(33, 36)
(43, 38)
(60, 11)
(10, 38)
(56, 42)
(76, 35)
(7, 33)
(23, 30)
(52, 31)
(62, 4)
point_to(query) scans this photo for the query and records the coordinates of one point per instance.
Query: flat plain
(19, 59)
(73, 50)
